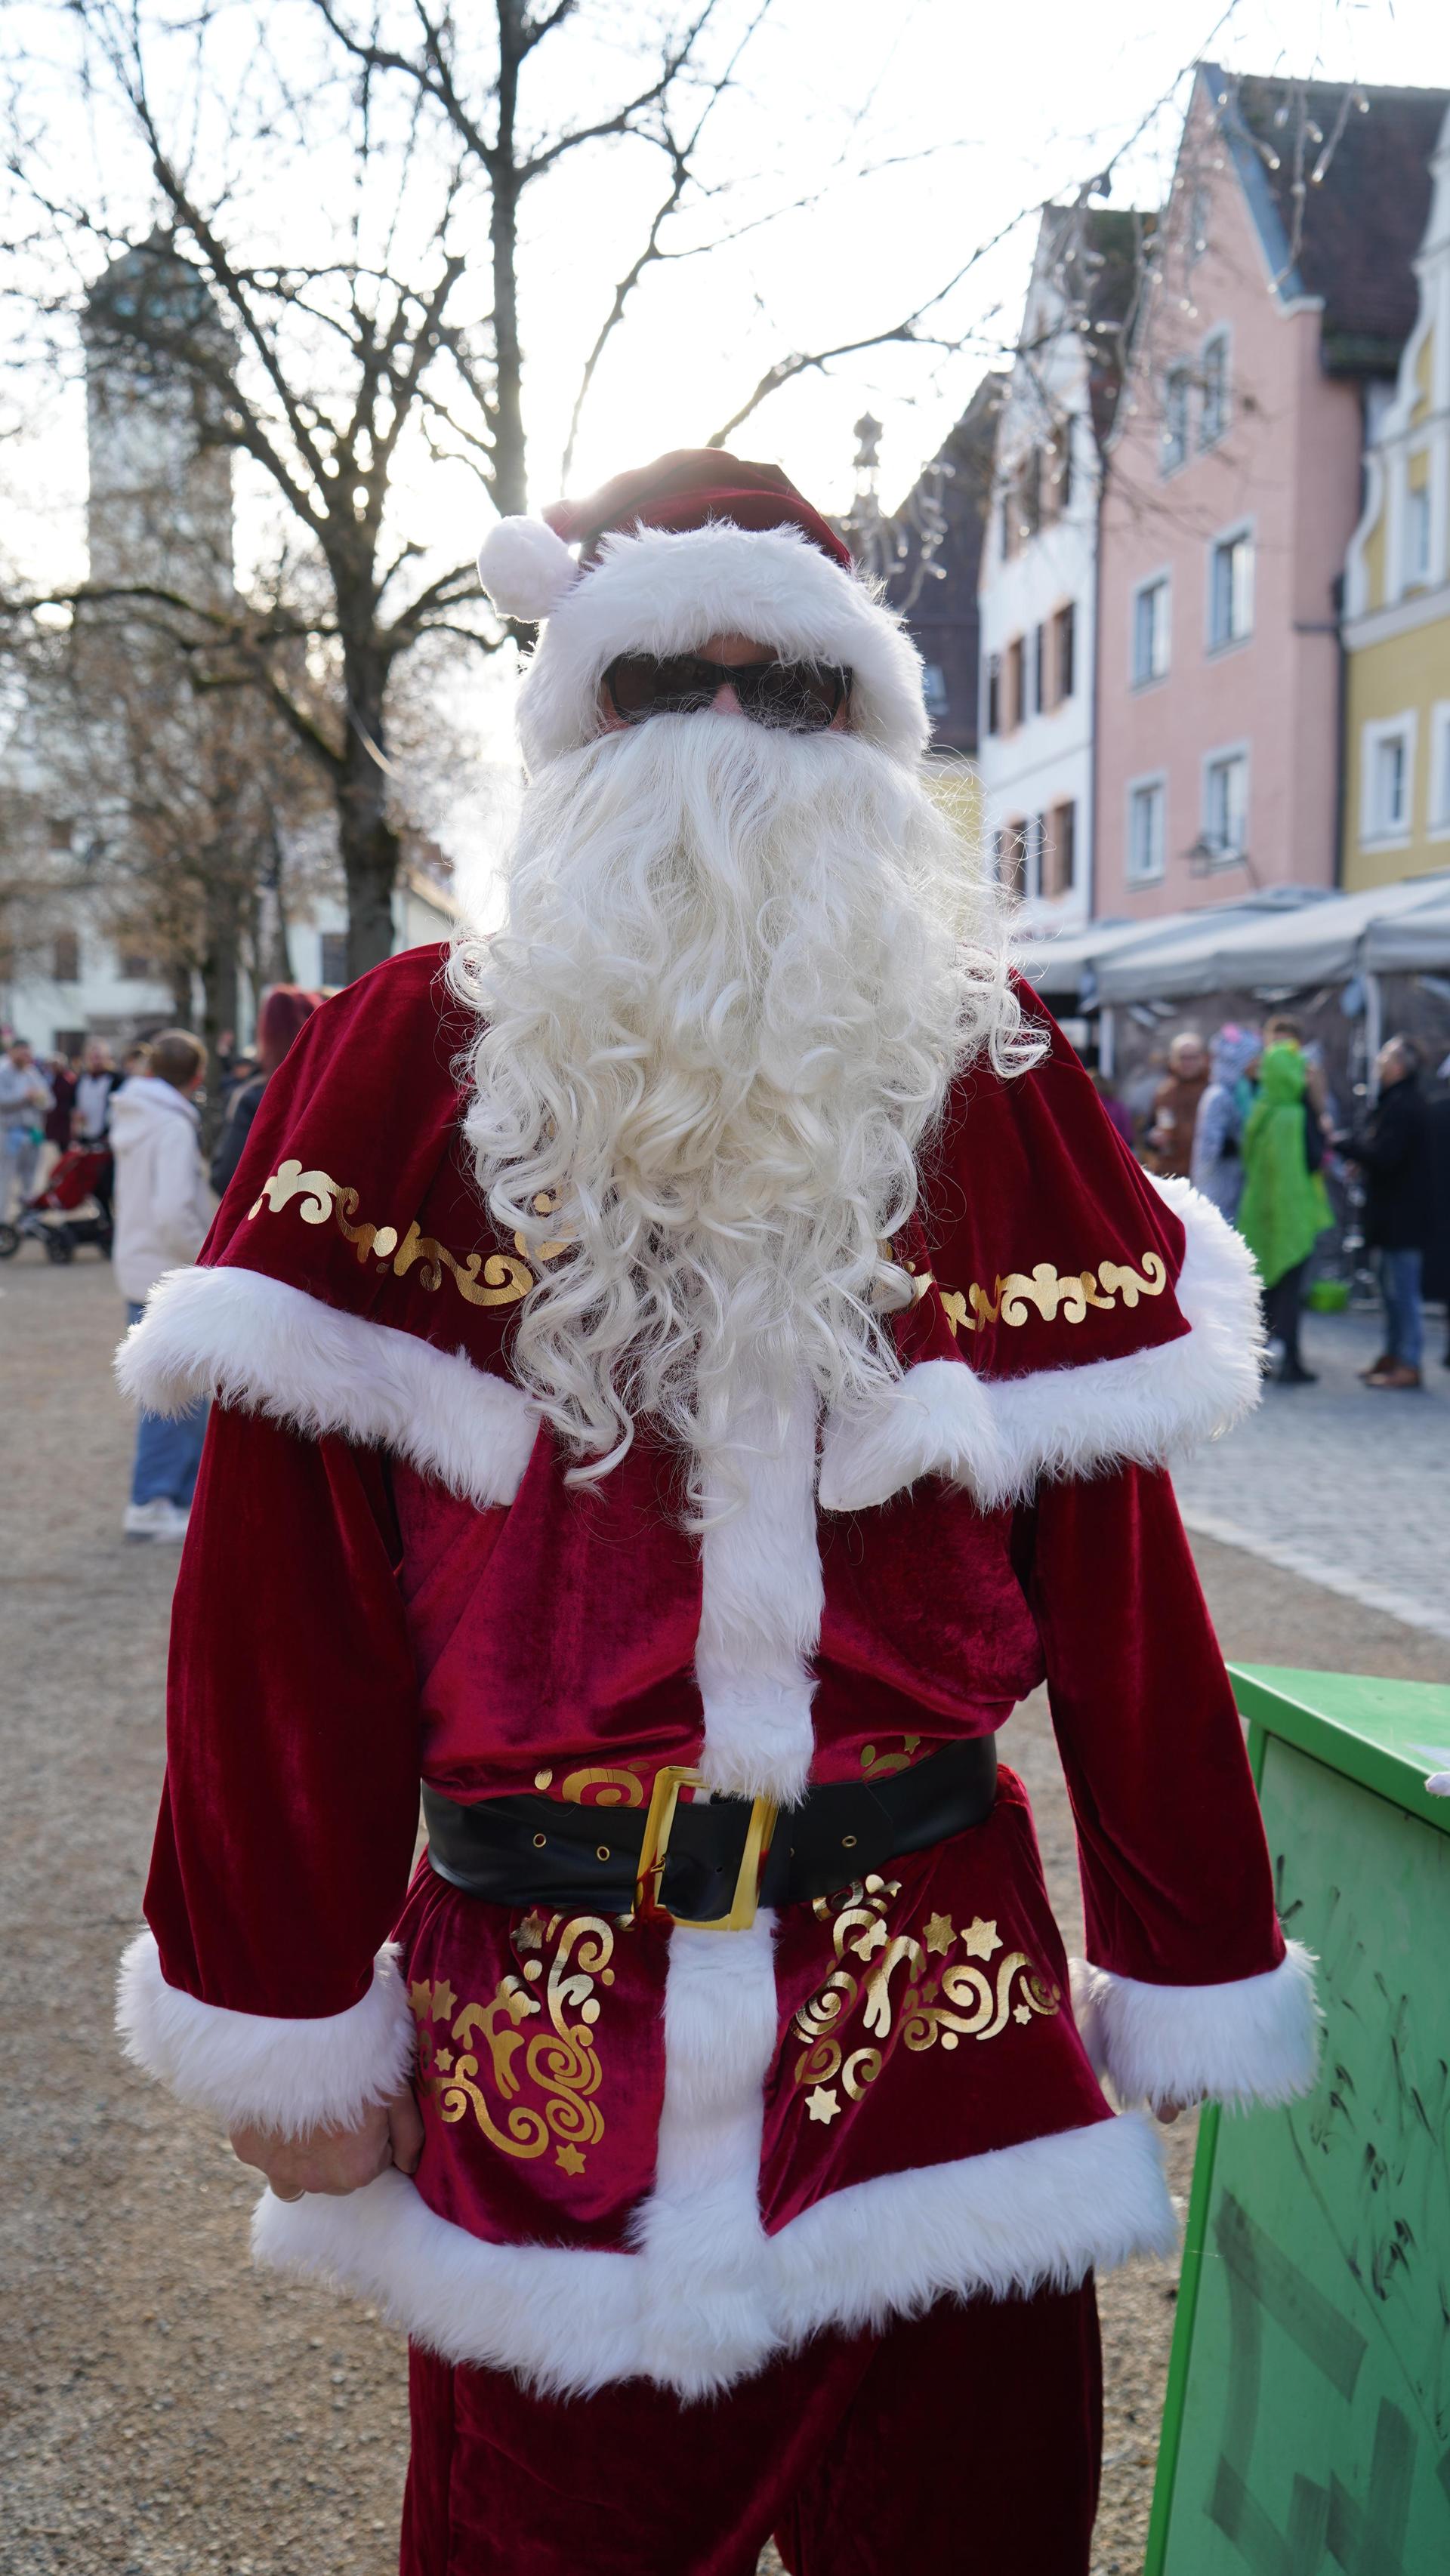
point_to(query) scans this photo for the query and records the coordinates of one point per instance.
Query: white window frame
(1240, 532)
(1220, 338)
(1219, 758)
(1416, 575)
(1374, 833)
(1439, 782)
(1180, 373)
(1162, 580)
(1140, 786)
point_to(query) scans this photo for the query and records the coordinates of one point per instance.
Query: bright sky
(986, 109)
(963, 113)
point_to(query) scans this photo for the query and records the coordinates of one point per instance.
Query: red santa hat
(697, 544)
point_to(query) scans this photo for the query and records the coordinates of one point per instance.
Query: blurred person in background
(1217, 1164)
(163, 1210)
(1393, 1151)
(96, 1085)
(1175, 1107)
(62, 1080)
(1284, 1207)
(26, 1101)
(283, 1012)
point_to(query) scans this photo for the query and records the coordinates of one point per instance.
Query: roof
(1361, 158)
(1094, 255)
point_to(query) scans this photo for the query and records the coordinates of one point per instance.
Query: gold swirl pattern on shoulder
(483, 1279)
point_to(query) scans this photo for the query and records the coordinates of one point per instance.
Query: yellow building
(1397, 599)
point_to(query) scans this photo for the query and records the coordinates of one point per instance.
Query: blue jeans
(168, 1453)
(1404, 1316)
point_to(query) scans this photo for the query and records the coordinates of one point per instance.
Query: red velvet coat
(678, 2152)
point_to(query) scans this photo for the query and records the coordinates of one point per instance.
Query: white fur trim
(761, 1598)
(998, 1436)
(255, 1342)
(525, 568)
(1030, 2217)
(254, 2068)
(1254, 2040)
(667, 591)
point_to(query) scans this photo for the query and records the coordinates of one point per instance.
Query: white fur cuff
(248, 1340)
(1256, 2040)
(249, 2068)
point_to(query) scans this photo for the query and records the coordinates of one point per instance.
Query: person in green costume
(1285, 1206)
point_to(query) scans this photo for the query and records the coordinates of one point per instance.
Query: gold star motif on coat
(1022, 2012)
(823, 2104)
(980, 1939)
(939, 1934)
(530, 1934)
(569, 2160)
(443, 2060)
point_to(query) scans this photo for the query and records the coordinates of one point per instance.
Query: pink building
(1280, 298)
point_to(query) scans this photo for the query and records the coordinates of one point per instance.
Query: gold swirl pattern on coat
(490, 2057)
(505, 1278)
(960, 2001)
(1056, 1295)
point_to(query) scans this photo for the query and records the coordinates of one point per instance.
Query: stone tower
(160, 505)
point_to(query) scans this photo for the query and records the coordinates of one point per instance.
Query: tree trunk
(508, 482)
(371, 852)
(221, 988)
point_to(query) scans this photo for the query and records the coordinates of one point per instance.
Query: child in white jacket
(163, 1210)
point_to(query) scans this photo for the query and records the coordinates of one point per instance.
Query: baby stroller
(73, 1208)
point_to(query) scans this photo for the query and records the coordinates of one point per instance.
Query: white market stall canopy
(1316, 943)
(1075, 962)
(1414, 941)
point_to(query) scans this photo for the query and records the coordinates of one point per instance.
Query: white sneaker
(159, 1519)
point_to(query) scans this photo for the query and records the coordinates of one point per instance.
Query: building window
(333, 967)
(1147, 829)
(1387, 780)
(1150, 632)
(934, 690)
(1016, 707)
(65, 964)
(1059, 849)
(1440, 767)
(1213, 400)
(1231, 590)
(1065, 651)
(1012, 858)
(1175, 418)
(1226, 805)
(993, 720)
(1417, 533)
(139, 967)
(1387, 791)
(60, 831)
(1041, 686)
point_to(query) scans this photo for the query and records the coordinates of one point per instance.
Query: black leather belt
(708, 1862)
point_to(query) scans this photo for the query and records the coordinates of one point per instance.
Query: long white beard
(732, 990)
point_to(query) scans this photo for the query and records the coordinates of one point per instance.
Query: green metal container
(1307, 2422)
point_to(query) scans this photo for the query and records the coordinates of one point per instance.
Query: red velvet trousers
(962, 2443)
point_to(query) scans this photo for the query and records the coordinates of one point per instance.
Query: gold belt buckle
(655, 1849)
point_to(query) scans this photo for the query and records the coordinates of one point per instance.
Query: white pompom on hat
(526, 569)
(698, 544)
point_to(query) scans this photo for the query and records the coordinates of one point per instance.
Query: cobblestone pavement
(163, 2410)
(1340, 1483)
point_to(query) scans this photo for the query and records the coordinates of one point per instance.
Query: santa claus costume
(682, 1371)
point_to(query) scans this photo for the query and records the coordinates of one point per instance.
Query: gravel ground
(162, 2413)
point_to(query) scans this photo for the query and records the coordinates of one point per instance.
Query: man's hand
(337, 2160)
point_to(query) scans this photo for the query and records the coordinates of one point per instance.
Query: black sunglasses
(805, 697)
